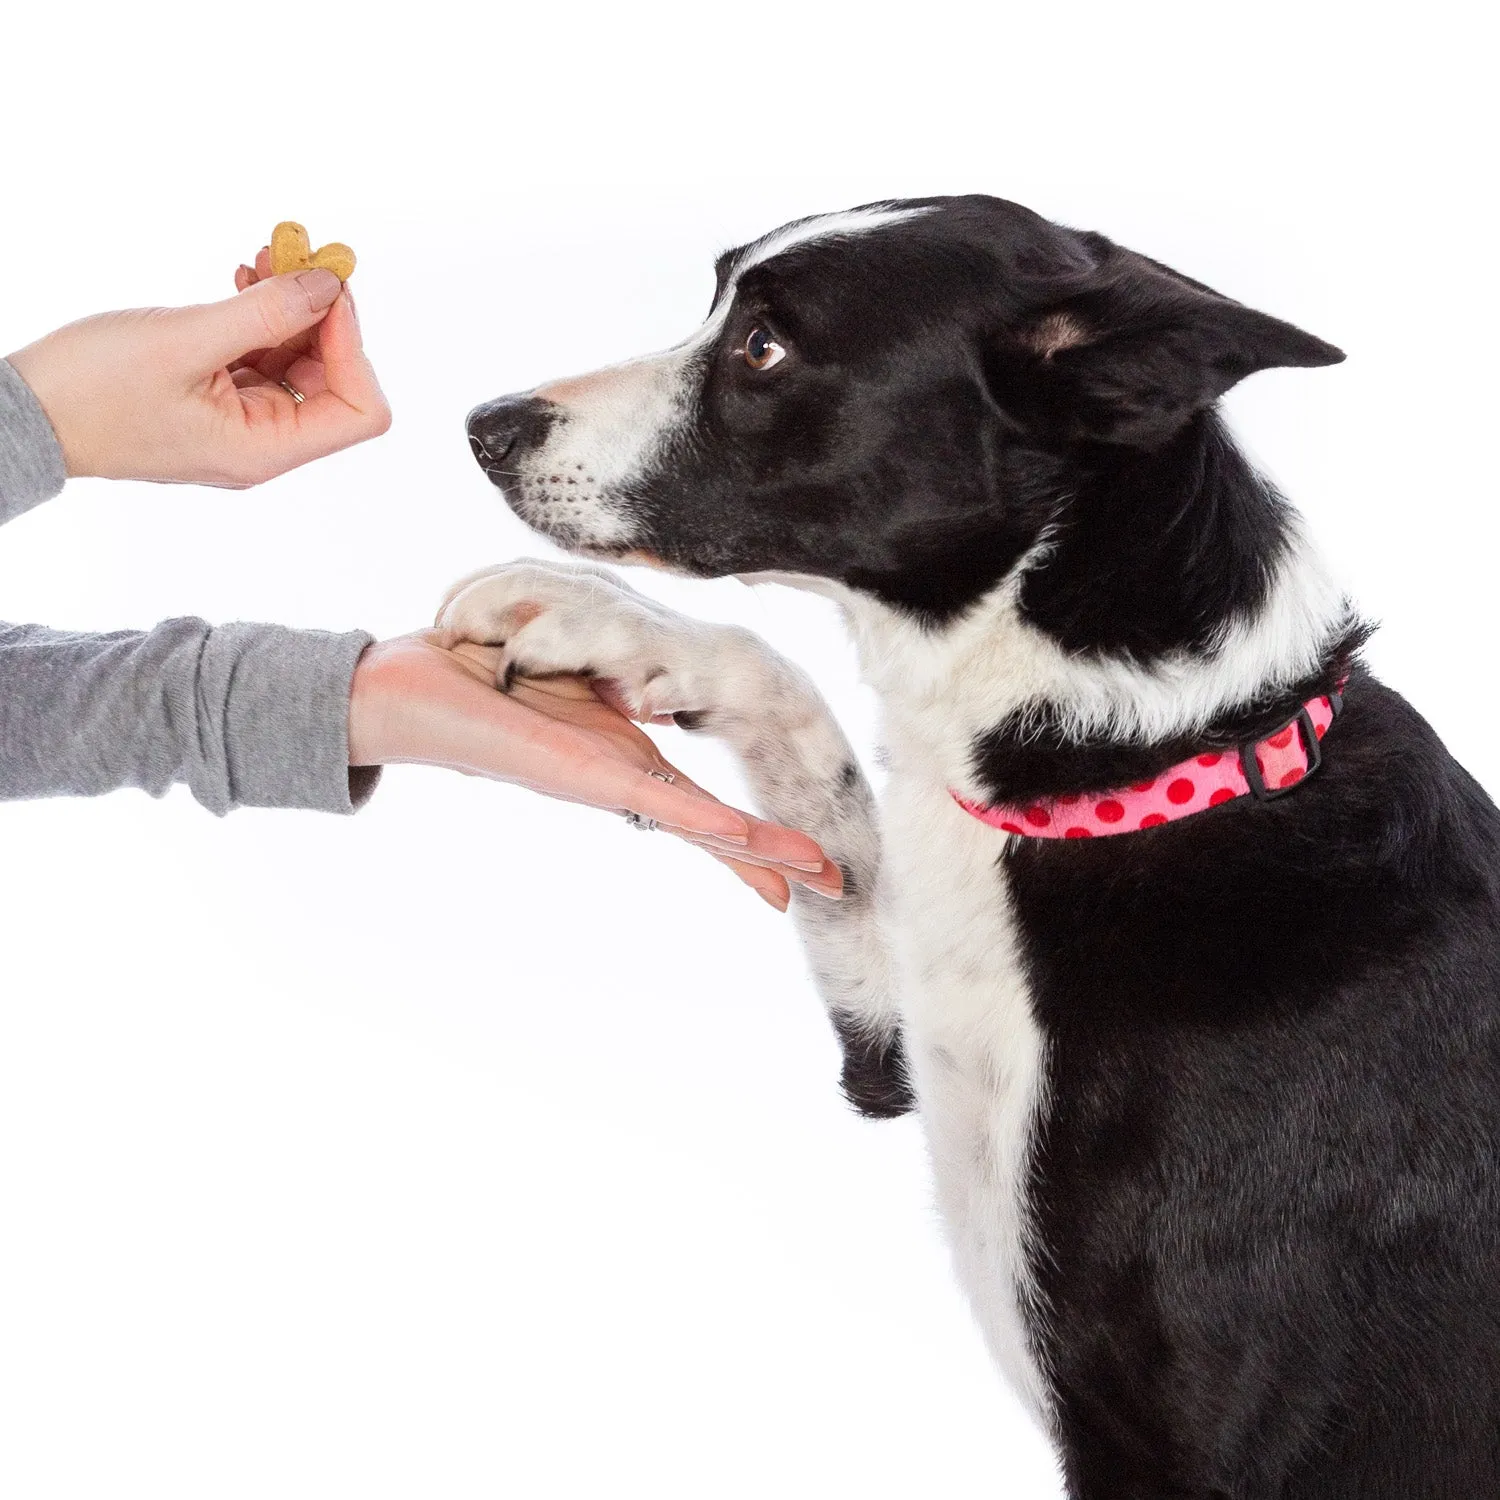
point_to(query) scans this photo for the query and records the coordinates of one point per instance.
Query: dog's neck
(1178, 603)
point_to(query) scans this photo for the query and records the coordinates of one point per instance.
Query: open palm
(416, 699)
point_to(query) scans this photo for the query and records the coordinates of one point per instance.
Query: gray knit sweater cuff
(31, 462)
(286, 720)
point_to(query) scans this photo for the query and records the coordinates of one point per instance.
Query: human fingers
(611, 783)
(245, 277)
(347, 370)
(767, 884)
(799, 857)
(263, 316)
(245, 376)
(794, 855)
(277, 364)
(329, 357)
(774, 844)
(342, 401)
(826, 881)
(790, 856)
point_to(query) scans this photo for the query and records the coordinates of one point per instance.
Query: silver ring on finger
(666, 776)
(636, 820)
(293, 392)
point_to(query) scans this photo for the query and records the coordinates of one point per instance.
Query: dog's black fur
(1268, 1186)
(1272, 1187)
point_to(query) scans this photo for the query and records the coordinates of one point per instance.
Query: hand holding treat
(227, 393)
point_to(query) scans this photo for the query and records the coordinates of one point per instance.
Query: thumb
(261, 317)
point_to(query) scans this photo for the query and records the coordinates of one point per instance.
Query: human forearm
(244, 715)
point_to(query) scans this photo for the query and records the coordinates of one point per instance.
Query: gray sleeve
(245, 715)
(31, 463)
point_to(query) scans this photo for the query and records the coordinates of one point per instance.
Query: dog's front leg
(725, 681)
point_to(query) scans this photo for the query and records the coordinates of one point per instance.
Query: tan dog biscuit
(291, 251)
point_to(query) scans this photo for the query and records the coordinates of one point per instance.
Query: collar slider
(1312, 749)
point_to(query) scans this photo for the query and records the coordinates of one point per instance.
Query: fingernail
(777, 901)
(349, 298)
(321, 286)
(827, 892)
(246, 269)
(809, 869)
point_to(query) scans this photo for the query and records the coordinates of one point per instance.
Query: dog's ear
(1132, 350)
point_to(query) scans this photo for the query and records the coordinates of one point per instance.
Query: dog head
(905, 398)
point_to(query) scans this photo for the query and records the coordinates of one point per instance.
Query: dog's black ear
(1132, 350)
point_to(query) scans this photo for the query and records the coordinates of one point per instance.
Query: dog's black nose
(500, 427)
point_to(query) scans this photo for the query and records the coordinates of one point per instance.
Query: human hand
(193, 395)
(416, 700)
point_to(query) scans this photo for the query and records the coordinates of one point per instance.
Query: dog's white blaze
(614, 423)
(618, 419)
(820, 227)
(615, 417)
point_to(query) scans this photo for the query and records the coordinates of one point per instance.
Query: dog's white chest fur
(975, 1053)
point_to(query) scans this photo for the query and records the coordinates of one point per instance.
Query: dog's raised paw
(550, 620)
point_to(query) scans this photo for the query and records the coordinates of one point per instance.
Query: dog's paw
(551, 619)
(874, 1077)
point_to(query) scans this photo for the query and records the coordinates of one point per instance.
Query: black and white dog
(1213, 1095)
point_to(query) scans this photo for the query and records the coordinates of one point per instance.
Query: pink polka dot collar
(1265, 771)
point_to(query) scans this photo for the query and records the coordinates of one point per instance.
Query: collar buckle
(1312, 750)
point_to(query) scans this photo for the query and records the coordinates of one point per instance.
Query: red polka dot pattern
(1208, 780)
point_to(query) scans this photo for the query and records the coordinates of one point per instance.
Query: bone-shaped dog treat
(291, 251)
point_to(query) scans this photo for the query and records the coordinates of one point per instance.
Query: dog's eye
(762, 351)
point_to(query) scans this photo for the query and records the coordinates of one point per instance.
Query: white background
(478, 1146)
